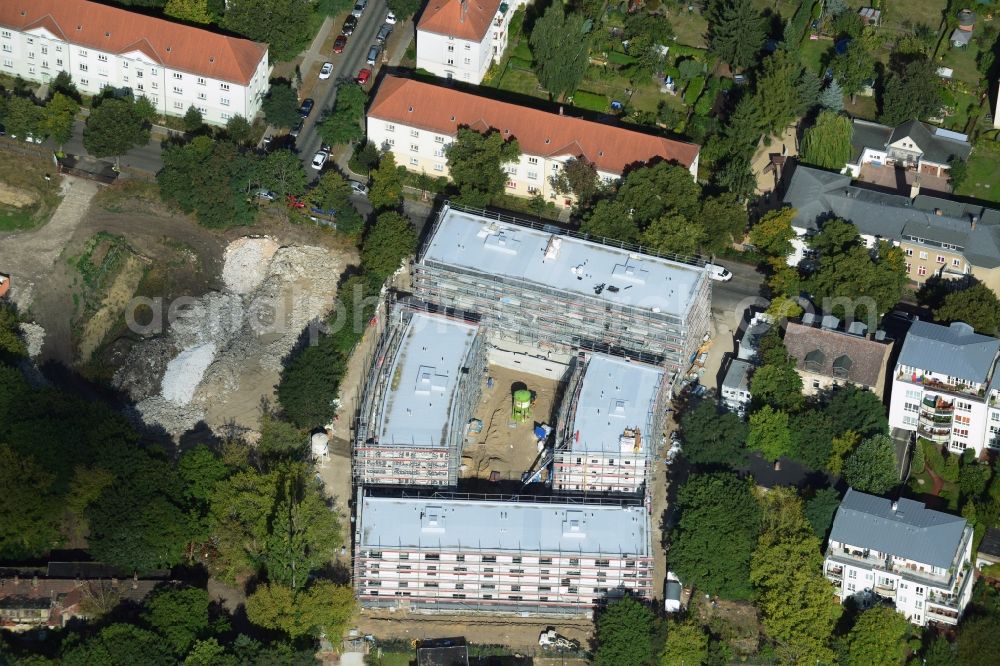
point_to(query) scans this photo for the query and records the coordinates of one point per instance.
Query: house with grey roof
(946, 387)
(735, 394)
(827, 354)
(912, 145)
(901, 551)
(938, 236)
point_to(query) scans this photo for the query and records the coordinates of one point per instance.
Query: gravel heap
(246, 263)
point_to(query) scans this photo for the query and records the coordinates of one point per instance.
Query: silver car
(359, 8)
(383, 33)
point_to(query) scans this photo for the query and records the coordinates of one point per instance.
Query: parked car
(360, 188)
(363, 76)
(339, 43)
(373, 54)
(294, 132)
(319, 159)
(383, 33)
(390, 18)
(264, 193)
(350, 23)
(718, 273)
(326, 71)
(307, 107)
(295, 202)
(359, 8)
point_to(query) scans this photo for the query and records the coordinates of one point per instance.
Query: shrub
(919, 460)
(694, 90)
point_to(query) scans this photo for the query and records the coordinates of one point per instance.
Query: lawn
(983, 179)
(521, 81)
(690, 27)
(813, 52)
(27, 200)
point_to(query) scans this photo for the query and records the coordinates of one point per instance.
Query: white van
(718, 273)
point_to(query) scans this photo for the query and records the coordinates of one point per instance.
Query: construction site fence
(567, 498)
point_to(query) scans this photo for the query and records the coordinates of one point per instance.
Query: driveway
(730, 301)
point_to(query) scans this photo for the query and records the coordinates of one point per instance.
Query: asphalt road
(148, 157)
(730, 299)
(345, 66)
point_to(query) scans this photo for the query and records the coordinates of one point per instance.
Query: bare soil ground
(505, 446)
(16, 196)
(112, 306)
(519, 633)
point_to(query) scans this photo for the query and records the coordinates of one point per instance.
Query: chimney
(34, 581)
(895, 506)
(135, 581)
(464, 10)
(560, 109)
(914, 188)
(938, 212)
(975, 218)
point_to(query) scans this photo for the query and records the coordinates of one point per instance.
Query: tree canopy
(912, 91)
(769, 433)
(281, 106)
(321, 607)
(686, 645)
(390, 239)
(624, 634)
(820, 509)
(736, 31)
(873, 467)
(976, 305)
(559, 48)
(827, 143)
(114, 128)
(343, 123)
(713, 438)
(476, 165)
(210, 179)
(852, 68)
(715, 535)
(878, 637)
(283, 24)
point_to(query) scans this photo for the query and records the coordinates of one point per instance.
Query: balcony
(887, 591)
(936, 385)
(938, 407)
(936, 434)
(942, 615)
(835, 572)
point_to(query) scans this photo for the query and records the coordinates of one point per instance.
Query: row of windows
(940, 258)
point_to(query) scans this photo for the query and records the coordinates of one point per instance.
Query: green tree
(332, 192)
(820, 510)
(715, 535)
(878, 638)
(939, 652)
(624, 634)
(386, 192)
(827, 144)
(23, 117)
(711, 437)
(119, 645)
(778, 385)
(114, 128)
(29, 509)
(209, 653)
(611, 219)
(977, 306)
(12, 346)
(841, 447)
(795, 599)
(912, 91)
(872, 468)
(238, 130)
(979, 641)
(281, 106)
(85, 487)
(390, 239)
(674, 234)
(812, 432)
(725, 221)
(194, 11)
(676, 192)
(200, 470)
(364, 158)
(687, 644)
(973, 478)
(58, 117)
(578, 177)
(780, 92)
(344, 123)
(736, 32)
(210, 180)
(853, 408)
(63, 84)
(322, 607)
(852, 68)
(283, 24)
(193, 120)
(559, 47)
(281, 171)
(769, 433)
(178, 615)
(773, 234)
(832, 97)
(280, 440)
(476, 165)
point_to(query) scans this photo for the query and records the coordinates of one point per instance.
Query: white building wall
(451, 58)
(38, 55)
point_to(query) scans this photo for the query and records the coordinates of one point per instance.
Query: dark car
(294, 133)
(350, 23)
(307, 107)
(339, 43)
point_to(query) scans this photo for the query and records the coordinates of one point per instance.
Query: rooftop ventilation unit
(830, 323)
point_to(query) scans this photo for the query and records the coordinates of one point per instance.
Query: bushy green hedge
(590, 101)
(694, 90)
(705, 103)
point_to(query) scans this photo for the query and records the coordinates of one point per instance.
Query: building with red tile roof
(459, 39)
(176, 66)
(417, 120)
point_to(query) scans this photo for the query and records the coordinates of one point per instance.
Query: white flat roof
(453, 524)
(615, 395)
(562, 262)
(423, 380)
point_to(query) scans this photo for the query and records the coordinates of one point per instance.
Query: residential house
(735, 394)
(938, 236)
(988, 553)
(443, 652)
(919, 559)
(756, 328)
(460, 39)
(417, 121)
(527, 555)
(827, 356)
(610, 425)
(912, 145)
(946, 387)
(50, 596)
(541, 285)
(421, 392)
(175, 66)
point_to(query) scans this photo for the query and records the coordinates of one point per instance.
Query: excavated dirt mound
(223, 354)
